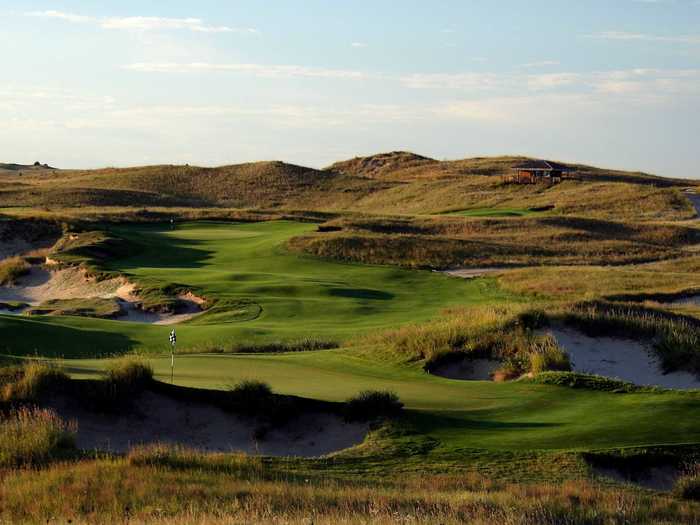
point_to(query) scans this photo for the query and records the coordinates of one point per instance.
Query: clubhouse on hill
(534, 171)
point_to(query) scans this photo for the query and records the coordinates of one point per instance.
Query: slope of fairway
(299, 296)
(471, 414)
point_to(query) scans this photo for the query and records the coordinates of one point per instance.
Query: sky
(613, 83)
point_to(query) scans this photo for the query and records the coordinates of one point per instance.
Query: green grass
(277, 295)
(458, 414)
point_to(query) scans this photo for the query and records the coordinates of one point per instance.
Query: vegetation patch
(94, 307)
(373, 404)
(12, 269)
(32, 436)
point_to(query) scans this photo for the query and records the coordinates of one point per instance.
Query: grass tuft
(373, 404)
(31, 436)
(12, 269)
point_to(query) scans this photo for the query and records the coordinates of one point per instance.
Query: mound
(382, 164)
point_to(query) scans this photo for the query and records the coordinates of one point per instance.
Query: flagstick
(172, 364)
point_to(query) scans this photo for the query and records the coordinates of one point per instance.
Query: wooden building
(534, 171)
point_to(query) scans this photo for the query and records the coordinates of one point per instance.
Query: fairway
(298, 296)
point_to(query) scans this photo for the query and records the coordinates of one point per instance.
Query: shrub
(30, 436)
(372, 404)
(117, 391)
(12, 269)
(33, 381)
(251, 397)
(688, 486)
(130, 374)
(546, 355)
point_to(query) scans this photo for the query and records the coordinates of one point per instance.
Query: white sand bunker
(467, 369)
(624, 359)
(43, 284)
(161, 419)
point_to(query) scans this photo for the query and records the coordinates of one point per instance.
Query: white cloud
(358, 44)
(261, 70)
(542, 63)
(645, 37)
(143, 23)
(69, 17)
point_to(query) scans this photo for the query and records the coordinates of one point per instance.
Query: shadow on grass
(34, 337)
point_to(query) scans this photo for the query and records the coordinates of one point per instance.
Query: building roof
(541, 165)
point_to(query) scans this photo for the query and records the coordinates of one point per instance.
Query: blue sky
(614, 83)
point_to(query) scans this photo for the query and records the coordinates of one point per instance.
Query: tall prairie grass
(12, 269)
(30, 436)
(181, 488)
(31, 382)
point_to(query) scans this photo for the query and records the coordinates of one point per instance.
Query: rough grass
(95, 307)
(387, 183)
(446, 242)
(30, 382)
(587, 282)
(12, 269)
(501, 333)
(180, 487)
(31, 436)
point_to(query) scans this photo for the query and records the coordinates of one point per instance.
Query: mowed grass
(300, 296)
(459, 414)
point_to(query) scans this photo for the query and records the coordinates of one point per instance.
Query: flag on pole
(173, 340)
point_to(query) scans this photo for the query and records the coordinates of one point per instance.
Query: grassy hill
(395, 183)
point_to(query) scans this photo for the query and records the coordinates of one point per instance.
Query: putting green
(459, 414)
(299, 296)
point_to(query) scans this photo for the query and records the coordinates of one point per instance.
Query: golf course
(488, 346)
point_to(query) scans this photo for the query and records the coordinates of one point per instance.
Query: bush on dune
(12, 269)
(31, 436)
(31, 382)
(372, 404)
(688, 486)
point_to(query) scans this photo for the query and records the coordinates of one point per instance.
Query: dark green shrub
(372, 404)
(251, 397)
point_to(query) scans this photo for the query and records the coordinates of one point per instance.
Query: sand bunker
(42, 284)
(695, 200)
(161, 419)
(18, 246)
(661, 478)
(617, 358)
(473, 273)
(693, 300)
(467, 369)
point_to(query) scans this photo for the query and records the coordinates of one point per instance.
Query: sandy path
(468, 369)
(472, 273)
(161, 419)
(623, 359)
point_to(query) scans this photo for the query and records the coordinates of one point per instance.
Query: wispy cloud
(358, 44)
(142, 23)
(262, 70)
(542, 63)
(645, 37)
